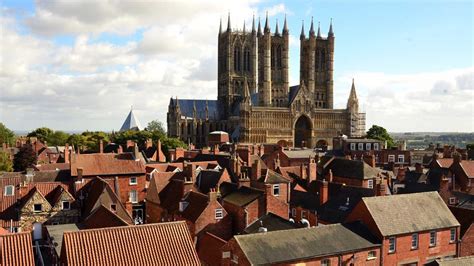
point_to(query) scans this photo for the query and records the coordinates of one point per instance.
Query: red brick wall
(467, 243)
(239, 222)
(404, 254)
(207, 221)
(209, 249)
(154, 212)
(310, 216)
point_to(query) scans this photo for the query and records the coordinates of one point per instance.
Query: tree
(6, 135)
(57, 138)
(156, 125)
(380, 133)
(470, 146)
(6, 164)
(41, 133)
(26, 157)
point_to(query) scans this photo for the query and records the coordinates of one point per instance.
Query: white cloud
(435, 101)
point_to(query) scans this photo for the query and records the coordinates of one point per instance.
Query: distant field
(421, 140)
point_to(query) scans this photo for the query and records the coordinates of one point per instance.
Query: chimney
(190, 170)
(369, 159)
(212, 195)
(79, 173)
(323, 192)
(66, 153)
(303, 171)
(330, 176)
(277, 161)
(148, 143)
(256, 170)
(418, 168)
(313, 169)
(381, 187)
(136, 152)
(159, 152)
(45, 143)
(216, 149)
(101, 146)
(244, 179)
(120, 149)
(457, 158)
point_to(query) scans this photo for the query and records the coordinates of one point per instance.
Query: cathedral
(256, 104)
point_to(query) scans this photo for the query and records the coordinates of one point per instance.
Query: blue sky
(410, 59)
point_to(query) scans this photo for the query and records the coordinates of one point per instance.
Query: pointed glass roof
(131, 122)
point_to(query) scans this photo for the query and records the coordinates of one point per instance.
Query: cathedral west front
(255, 102)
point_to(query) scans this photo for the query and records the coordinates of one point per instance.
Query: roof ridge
(120, 228)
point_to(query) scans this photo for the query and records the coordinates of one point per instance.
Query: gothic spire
(352, 101)
(220, 26)
(253, 24)
(319, 30)
(277, 31)
(353, 90)
(302, 30)
(267, 26)
(244, 26)
(259, 28)
(285, 27)
(228, 23)
(331, 33)
(311, 30)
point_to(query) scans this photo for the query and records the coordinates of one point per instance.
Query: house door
(137, 215)
(37, 231)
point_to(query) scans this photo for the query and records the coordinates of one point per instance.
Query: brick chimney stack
(130, 144)
(136, 152)
(457, 158)
(244, 179)
(313, 169)
(190, 170)
(159, 153)
(418, 168)
(256, 170)
(369, 159)
(148, 143)
(330, 176)
(381, 187)
(120, 149)
(79, 173)
(212, 195)
(323, 192)
(66, 153)
(101, 146)
(303, 171)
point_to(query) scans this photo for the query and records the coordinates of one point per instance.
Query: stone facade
(255, 103)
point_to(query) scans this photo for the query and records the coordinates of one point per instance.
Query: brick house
(464, 213)
(414, 229)
(463, 173)
(289, 157)
(125, 172)
(350, 244)
(203, 213)
(151, 244)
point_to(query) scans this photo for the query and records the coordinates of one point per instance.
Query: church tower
(237, 61)
(273, 65)
(317, 65)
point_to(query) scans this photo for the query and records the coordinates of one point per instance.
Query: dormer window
(66, 205)
(353, 146)
(376, 146)
(361, 146)
(183, 205)
(9, 190)
(219, 214)
(368, 146)
(133, 180)
(276, 190)
(37, 208)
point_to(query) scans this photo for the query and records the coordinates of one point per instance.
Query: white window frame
(34, 207)
(360, 146)
(133, 178)
(452, 235)
(391, 158)
(62, 205)
(133, 200)
(372, 255)
(276, 187)
(293, 212)
(401, 158)
(225, 254)
(113, 207)
(353, 146)
(303, 214)
(219, 214)
(325, 262)
(376, 146)
(392, 241)
(12, 190)
(370, 183)
(452, 200)
(414, 241)
(368, 146)
(433, 238)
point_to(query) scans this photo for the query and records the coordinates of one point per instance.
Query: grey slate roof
(290, 245)
(299, 153)
(131, 122)
(271, 222)
(352, 169)
(408, 213)
(243, 196)
(461, 261)
(57, 232)
(187, 108)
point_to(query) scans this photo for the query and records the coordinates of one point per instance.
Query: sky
(81, 65)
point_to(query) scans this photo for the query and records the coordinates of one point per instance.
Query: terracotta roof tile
(153, 244)
(468, 167)
(197, 203)
(16, 249)
(98, 164)
(445, 162)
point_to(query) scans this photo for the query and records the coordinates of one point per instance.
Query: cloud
(434, 101)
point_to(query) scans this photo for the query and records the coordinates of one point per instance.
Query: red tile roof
(152, 244)
(445, 162)
(53, 166)
(16, 249)
(468, 167)
(99, 164)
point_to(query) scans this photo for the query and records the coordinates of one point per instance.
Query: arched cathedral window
(237, 58)
(279, 56)
(247, 59)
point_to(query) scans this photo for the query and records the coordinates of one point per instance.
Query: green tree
(380, 133)
(6, 164)
(156, 125)
(41, 133)
(57, 138)
(26, 157)
(6, 135)
(470, 146)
